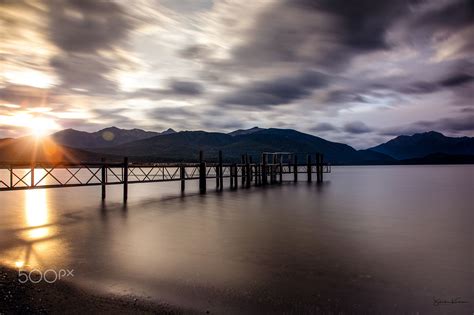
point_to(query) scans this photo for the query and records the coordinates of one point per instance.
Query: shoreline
(61, 297)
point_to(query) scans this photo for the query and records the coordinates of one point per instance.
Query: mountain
(29, 149)
(168, 131)
(241, 132)
(184, 146)
(107, 137)
(423, 144)
(170, 146)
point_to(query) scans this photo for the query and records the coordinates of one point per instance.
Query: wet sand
(62, 297)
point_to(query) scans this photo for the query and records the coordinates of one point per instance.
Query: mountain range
(139, 145)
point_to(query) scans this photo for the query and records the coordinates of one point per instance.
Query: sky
(357, 72)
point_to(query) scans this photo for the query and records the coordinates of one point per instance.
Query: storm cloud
(341, 68)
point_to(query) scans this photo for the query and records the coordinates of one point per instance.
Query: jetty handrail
(20, 176)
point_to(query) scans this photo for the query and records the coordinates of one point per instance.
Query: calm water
(370, 238)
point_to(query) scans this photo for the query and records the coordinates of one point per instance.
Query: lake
(371, 238)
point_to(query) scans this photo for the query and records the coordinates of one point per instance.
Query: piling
(321, 159)
(264, 169)
(32, 174)
(280, 166)
(125, 179)
(221, 173)
(295, 168)
(182, 177)
(202, 173)
(103, 173)
(308, 167)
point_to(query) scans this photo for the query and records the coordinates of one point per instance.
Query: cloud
(24, 95)
(87, 26)
(323, 127)
(357, 127)
(464, 123)
(175, 88)
(279, 91)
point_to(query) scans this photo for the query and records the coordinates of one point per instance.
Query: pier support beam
(264, 169)
(295, 168)
(202, 173)
(182, 177)
(103, 173)
(248, 176)
(221, 172)
(125, 179)
(280, 168)
(321, 159)
(309, 167)
(32, 174)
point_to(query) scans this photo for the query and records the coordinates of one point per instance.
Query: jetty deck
(271, 169)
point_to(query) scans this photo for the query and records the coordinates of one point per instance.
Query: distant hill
(423, 144)
(107, 137)
(30, 149)
(241, 132)
(170, 146)
(184, 146)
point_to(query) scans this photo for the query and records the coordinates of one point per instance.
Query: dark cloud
(321, 33)
(357, 127)
(323, 127)
(361, 24)
(452, 124)
(25, 95)
(88, 72)
(87, 26)
(279, 91)
(87, 32)
(456, 80)
(175, 88)
(186, 88)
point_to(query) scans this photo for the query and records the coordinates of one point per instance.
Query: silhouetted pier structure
(271, 169)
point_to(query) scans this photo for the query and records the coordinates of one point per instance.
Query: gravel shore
(61, 297)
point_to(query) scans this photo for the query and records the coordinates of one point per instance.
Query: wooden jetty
(271, 169)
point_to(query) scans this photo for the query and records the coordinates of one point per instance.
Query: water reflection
(37, 243)
(36, 213)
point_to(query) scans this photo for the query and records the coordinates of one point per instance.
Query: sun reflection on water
(36, 211)
(42, 246)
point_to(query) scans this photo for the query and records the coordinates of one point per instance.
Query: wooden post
(317, 167)
(242, 162)
(125, 179)
(182, 176)
(264, 169)
(231, 176)
(247, 171)
(272, 170)
(281, 169)
(103, 172)
(32, 175)
(236, 174)
(321, 165)
(251, 169)
(217, 176)
(202, 173)
(295, 168)
(308, 168)
(221, 174)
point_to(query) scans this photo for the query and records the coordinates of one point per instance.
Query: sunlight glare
(36, 209)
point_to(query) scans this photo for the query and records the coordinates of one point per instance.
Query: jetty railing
(20, 176)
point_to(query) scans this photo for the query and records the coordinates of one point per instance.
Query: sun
(40, 127)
